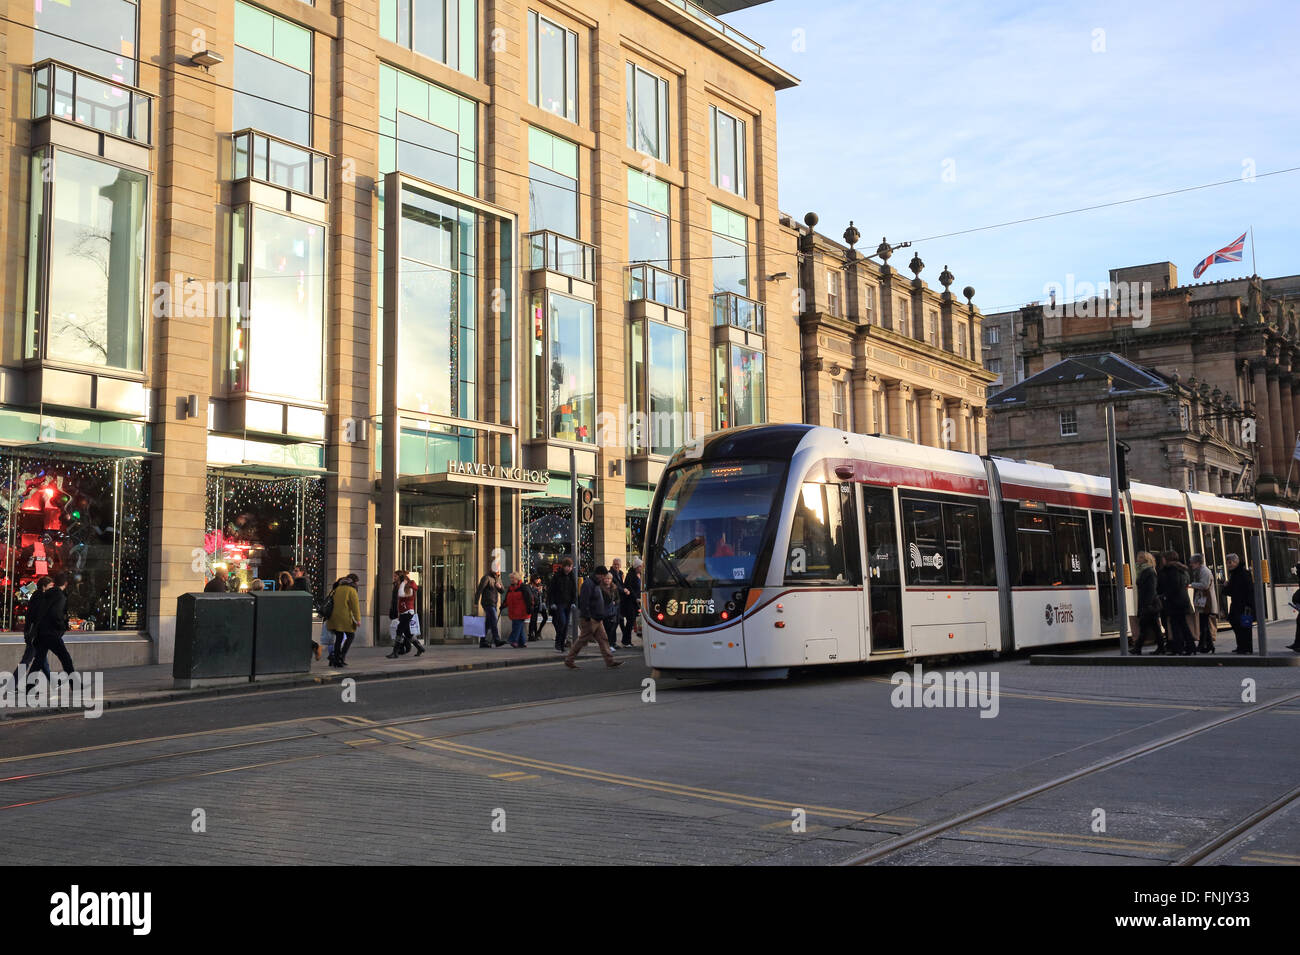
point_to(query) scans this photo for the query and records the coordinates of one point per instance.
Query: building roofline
(723, 39)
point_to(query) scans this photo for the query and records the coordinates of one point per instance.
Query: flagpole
(1253, 269)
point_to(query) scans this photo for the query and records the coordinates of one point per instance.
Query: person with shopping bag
(408, 626)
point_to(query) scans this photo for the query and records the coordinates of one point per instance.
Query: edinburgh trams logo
(691, 608)
(915, 559)
(1061, 613)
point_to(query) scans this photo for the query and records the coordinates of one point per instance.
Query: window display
(258, 527)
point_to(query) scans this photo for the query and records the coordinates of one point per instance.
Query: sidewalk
(153, 683)
(1225, 642)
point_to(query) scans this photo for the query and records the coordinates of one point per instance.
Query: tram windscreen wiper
(672, 568)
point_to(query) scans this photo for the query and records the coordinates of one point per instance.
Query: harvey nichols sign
(498, 472)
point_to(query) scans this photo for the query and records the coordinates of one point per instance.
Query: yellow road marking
(507, 775)
(1267, 860)
(363, 742)
(1100, 842)
(785, 824)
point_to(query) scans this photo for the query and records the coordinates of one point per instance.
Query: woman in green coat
(344, 618)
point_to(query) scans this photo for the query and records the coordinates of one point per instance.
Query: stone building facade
(1231, 345)
(883, 353)
(349, 284)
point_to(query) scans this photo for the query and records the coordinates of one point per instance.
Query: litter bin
(283, 627)
(214, 639)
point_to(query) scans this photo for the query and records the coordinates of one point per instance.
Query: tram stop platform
(1278, 654)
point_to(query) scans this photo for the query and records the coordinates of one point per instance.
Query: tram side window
(1285, 555)
(1071, 538)
(824, 537)
(926, 552)
(1158, 537)
(1034, 550)
(969, 546)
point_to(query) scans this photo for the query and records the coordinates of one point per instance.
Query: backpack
(327, 608)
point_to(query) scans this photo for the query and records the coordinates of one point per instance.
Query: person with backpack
(1148, 605)
(488, 596)
(562, 594)
(403, 609)
(519, 606)
(342, 614)
(1172, 586)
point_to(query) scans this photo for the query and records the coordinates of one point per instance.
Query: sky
(920, 119)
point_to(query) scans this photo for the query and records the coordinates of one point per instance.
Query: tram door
(884, 582)
(1108, 598)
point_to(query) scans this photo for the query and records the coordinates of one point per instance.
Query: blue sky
(1034, 121)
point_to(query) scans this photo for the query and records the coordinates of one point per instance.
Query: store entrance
(439, 562)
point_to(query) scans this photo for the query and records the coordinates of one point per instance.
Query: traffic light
(586, 505)
(1121, 450)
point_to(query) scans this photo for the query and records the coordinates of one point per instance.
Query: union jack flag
(1229, 253)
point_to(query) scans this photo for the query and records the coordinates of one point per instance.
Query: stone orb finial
(969, 292)
(811, 219)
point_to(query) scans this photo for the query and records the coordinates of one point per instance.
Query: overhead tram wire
(172, 69)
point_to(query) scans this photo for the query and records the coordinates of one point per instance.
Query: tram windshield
(712, 523)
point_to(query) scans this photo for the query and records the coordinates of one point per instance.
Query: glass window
(426, 131)
(869, 303)
(98, 36)
(1035, 552)
(668, 389)
(904, 317)
(993, 335)
(727, 151)
(730, 252)
(647, 113)
(837, 404)
(552, 183)
(833, 292)
(741, 382)
(566, 391)
(968, 542)
(995, 365)
(272, 69)
(286, 299)
(1069, 423)
(552, 67)
(443, 30)
(1071, 538)
(923, 534)
(932, 335)
(823, 537)
(97, 260)
(1285, 556)
(647, 220)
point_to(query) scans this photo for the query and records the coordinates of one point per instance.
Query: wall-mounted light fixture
(207, 58)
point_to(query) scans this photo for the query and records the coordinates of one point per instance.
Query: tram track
(1212, 848)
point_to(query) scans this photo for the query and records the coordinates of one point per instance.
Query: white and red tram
(776, 546)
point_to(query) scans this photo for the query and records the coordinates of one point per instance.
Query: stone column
(860, 388)
(1284, 383)
(932, 419)
(1263, 443)
(1280, 454)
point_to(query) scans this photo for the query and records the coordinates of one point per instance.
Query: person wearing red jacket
(519, 606)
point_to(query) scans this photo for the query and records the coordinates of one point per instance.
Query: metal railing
(269, 159)
(647, 282)
(67, 93)
(738, 311)
(731, 33)
(559, 253)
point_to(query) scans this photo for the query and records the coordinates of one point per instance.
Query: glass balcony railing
(280, 163)
(649, 283)
(738, 311)
(559, 253)
(76, 96)
(731, 33)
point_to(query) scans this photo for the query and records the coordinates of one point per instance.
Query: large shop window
(730, 251)
(426, 131)
(647, 220)
(272, 88)
(437, 346)
(949, 544)
(564, 367)
(443, 30)
(824, 537)
(552, 67)
(89, 518)
(741, 381)
(552, 184)
(1052, 550)
(727, 151)
(658, 368)
(647, 113)
(282, 260)
(85, 297)
(258, 527)
(98, 36)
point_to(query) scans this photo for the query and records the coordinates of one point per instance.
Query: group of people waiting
(609, 602)
(1183, 625)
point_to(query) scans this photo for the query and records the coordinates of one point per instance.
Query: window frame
(1072, 420)
(662, 110)
(310, 73)
(849, 545)
(740, 151)
(981, 558)
(833, 292)
(568, 69)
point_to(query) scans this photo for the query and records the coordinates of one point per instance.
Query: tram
(778, 546)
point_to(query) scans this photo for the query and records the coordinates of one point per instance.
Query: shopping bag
(392, 630)
(475, 626)
(415, 624)
(326, 636)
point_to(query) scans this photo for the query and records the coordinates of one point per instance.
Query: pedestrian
(488, 596)
(538, 620)
(284, 580)
(404, 607)
(1205, 604)
(1295, 605)
(591, 620)
(219, 583)
(34, 602)
(300, 579)
(630, 601)
(612, 592)
(1171, 584)
(562, 594)
(51, 627)
(1240, 591)
(257, 584)
(344, 618)
(519, 606)
(1148, 605)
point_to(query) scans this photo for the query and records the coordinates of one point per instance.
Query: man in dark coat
(561, 595)
(51, 627)
(1240, 591)
(1172, 587)
(591, 619)
(219, 583)
(630, 603)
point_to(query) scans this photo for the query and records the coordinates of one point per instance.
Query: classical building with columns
(1232, 348)
(884, 353)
